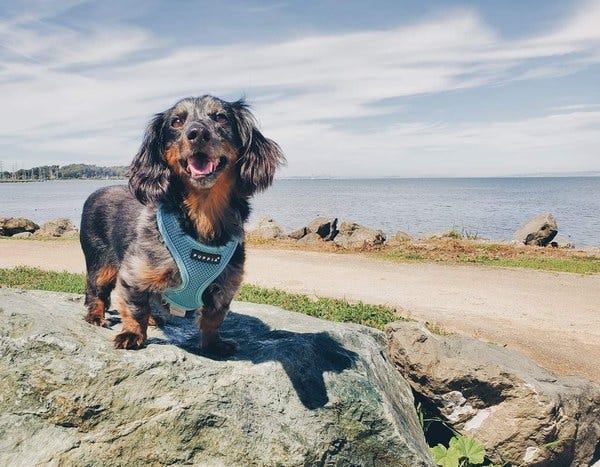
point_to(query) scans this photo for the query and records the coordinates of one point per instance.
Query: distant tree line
(65, 172)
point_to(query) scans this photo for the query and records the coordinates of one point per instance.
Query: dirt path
(554, 318)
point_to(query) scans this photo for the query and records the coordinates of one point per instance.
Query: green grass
(375, 316)
(34, 278)
(398, 256)
(573, 265)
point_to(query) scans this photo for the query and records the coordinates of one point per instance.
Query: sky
(347, 88)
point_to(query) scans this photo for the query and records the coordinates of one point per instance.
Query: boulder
(266, 228)
(522, 413)
(356, 236)
(22, 235)
(325, 227)
(62, 227)
(298, 233)
(311, 239)
(538, 231)
(299, 391)
(398, 239)
(10, 226)
(562, 242)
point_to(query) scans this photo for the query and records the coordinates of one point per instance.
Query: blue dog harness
(199, 264)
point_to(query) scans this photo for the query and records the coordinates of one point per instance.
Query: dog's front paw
(220, 348)
(97, 320)
(155, 320)
(129, 340)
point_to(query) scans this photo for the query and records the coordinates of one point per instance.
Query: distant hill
(65, 172)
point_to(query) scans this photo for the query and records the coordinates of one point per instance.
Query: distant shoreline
(308, 178)
(63, 180)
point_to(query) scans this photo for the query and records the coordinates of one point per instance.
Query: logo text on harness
(204, 257)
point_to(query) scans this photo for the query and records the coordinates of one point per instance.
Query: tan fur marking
(106, 275)
(97, 313)
(206, 207)
(133, 333)
(157, 279)
(172, 156)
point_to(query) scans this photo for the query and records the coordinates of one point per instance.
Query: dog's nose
(199, 132)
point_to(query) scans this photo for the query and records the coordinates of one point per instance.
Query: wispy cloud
(86, 93)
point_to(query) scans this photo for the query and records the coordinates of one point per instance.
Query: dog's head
(198, 143)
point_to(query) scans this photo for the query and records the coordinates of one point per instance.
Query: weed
(437, 328)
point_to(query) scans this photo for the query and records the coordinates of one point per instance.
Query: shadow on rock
(304, 356)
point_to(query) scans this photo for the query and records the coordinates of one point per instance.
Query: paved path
(554, 318)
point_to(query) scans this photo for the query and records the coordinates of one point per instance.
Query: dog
(201, 160)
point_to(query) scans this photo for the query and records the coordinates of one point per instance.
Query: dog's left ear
(259, 156)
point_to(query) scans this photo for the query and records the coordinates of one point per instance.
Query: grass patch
(35, 278)
(437, 328)
(573, 265)
(450, 250)
(398, 255)
(375, 316)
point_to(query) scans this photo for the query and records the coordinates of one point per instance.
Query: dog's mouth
(200, 165)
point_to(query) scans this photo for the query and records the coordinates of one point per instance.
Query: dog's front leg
(134, 308)
(216, 307)
(212, 342)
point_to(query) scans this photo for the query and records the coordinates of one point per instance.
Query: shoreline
(444, 249)
(415, 206)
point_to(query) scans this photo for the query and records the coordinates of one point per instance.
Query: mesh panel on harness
(199, 264)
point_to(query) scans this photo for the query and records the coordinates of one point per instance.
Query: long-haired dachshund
(201, 159)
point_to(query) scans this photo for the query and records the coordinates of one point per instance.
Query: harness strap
(199, 264)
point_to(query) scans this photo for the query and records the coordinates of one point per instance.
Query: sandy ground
(554, 318)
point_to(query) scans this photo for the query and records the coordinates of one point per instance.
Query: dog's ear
(149, 174)
(259, 156)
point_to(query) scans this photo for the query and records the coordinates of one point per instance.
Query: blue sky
(348, 88)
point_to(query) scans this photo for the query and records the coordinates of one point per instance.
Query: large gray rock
(267, 229)
(356, 236)
(299, 391)
(22, 235)
(298, 233)
(324, 227)
(311, 239)
(62, 227)
(522, 413)
(10, 226)
(538, 231)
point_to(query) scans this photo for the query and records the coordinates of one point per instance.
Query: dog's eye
(177, 122)
(221, 118)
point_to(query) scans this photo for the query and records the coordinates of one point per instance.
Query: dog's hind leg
(99, 285)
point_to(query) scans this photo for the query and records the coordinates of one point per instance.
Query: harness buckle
(177, 311)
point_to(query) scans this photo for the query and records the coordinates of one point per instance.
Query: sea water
(485, 207)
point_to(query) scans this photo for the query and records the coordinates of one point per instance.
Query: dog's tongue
(200, 166)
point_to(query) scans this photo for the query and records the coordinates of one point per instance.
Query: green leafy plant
(462, 452)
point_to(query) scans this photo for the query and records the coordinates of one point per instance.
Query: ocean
(491, 208)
